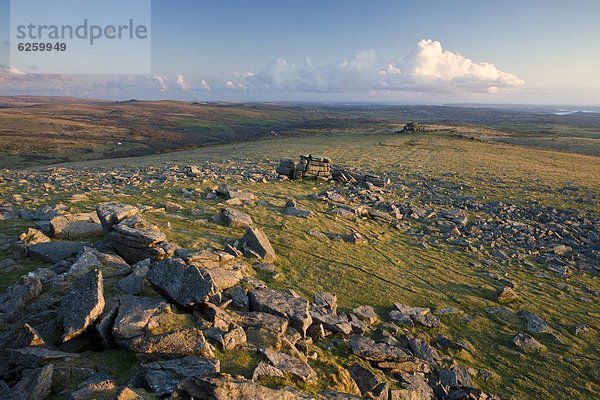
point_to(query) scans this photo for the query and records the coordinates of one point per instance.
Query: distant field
(42, 130)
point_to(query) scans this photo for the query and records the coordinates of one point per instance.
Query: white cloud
(181, 82)
(161, 79)
(204, 85)
(428, 68)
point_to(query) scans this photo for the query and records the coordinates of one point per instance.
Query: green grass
(391, 267)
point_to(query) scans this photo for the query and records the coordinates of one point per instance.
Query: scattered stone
(264, 369)
(505, 294)
(580, 329)
(19, 295)
(234, 218)
(76, 226)
(534, 323)
(255, 243)
(367, 349)
(528, 343)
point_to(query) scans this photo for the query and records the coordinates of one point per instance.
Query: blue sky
(541, 52)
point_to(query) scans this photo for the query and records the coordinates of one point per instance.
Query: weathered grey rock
(135, 239)
(255, 243)
(54, 252)
(177, 343)
(224, 387)
(414, 387)
(423, 350)
(24, 336)
(457, 377)
(162, 377)
(505, 294)
(111, 214)
(31, 357)
(295, 309)
(184, 284)
(331, 322)
(293, 211)
(62, 376)
(238, 297)
(98, 386)
(134, 282)
(367, 349)
(580, 329)
(35, 384)
(534, 323)
(366, 313)
(33, 236)
(291, 365)
(365, 379)
(235, 218)
(264, 369)
(106, 321)
(528, 343)
(417, 315)
(18, 295)
(326, 302)
(82, 305)
(75, 227)
(109, 264)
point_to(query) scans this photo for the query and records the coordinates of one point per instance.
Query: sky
(413, 51)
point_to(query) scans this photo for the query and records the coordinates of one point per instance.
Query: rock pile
(309, 167)
(204, 300)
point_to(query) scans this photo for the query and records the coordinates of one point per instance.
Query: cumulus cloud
(204, 85)
(181, 82)
(427, 68)
(161, 79)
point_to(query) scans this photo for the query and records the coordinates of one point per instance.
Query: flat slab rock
(295, 309)
(162, 377)
(53, 252)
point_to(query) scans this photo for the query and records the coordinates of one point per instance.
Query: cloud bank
(427, 68)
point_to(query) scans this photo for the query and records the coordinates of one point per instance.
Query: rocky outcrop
(309, 167)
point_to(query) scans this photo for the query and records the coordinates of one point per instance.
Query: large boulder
(184, 284)
(162, 377)
(256, 243)
(151, 326)
(111, 214)
(295, 309)
(368, 349)
(82, 305)
(90, 259)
